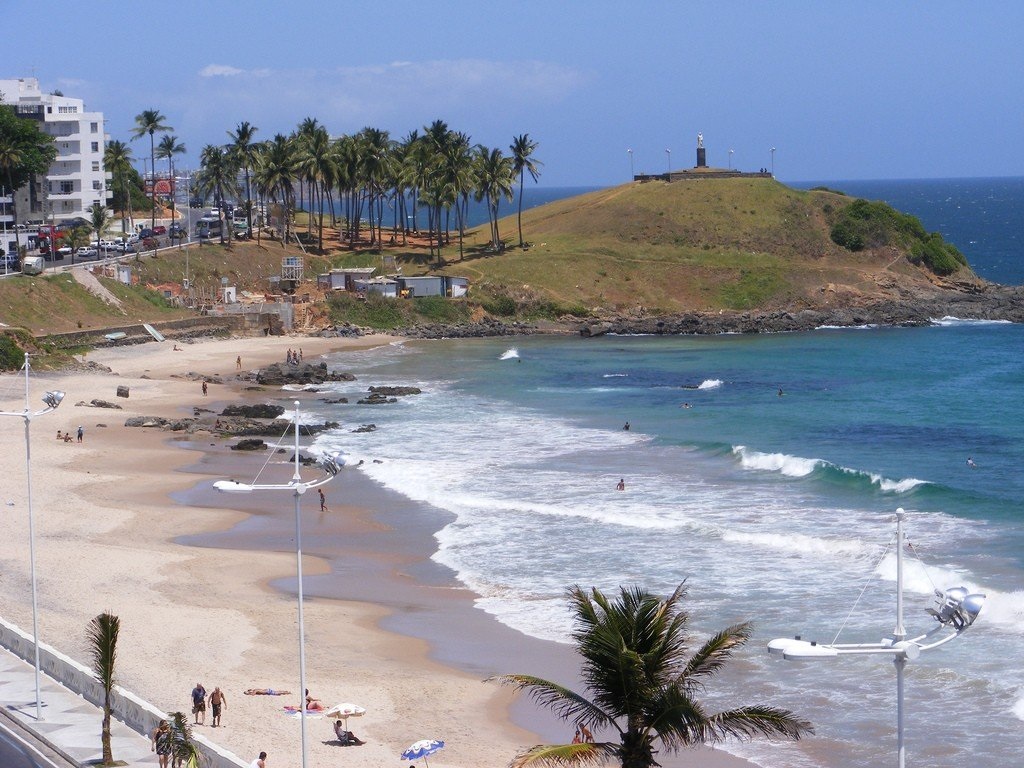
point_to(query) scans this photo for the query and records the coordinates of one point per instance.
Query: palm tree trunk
(152, 180)
(520, 216)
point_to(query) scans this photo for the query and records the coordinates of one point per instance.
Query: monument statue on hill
(701, 156)
(700, 141)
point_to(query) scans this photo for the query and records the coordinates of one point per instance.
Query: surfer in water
(970, 463)
(621, 485)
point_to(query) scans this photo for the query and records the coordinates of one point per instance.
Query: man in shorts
(199, 703)
(217, 702)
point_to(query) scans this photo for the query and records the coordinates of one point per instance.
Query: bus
(209, 227)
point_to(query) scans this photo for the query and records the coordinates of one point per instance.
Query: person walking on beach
(199, 703)
(81, 433)
(161, 738)
(204, 389)
(259, 762)
(323, 500)
(238, 363)
(218, 701)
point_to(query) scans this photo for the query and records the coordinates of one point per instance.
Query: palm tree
(103, 631)
(494, 181)
(522, 163)
(644, 684)
(168, 147)
(150, 121)
(217, 176)
(100, 216)
(78, 237)
(315, 162)
(117, 158)
(244, 149)
(275, 177)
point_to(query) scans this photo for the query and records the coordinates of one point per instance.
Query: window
(95, 146)
(96, 185)
(94, 127)
(67, 187)
(95, 165)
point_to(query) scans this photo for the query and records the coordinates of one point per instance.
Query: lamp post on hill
(773, 161)
(331, 465)
(632, 175)
(52, 400)
(730, 158)
(669, 153)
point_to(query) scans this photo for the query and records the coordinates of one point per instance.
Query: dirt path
(88, 281)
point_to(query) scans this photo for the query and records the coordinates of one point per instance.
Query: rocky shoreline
(984, 301)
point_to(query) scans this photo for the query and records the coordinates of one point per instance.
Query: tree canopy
(25, 151)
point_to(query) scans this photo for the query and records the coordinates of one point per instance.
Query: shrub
(503, 306)
(940, 257)
(11, 355)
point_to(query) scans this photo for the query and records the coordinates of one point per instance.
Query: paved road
(19, 749)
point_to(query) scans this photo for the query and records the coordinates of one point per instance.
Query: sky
(841, 90)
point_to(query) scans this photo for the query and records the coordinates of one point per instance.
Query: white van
(33, 265)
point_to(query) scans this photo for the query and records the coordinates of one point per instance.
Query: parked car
(144, 233)
(64, 250)
(86, 252)
(9, 262)
(159, 229)
(149, 243)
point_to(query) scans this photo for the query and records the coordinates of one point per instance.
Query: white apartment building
(76, 178)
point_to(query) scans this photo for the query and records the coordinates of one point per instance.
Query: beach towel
(293, 711)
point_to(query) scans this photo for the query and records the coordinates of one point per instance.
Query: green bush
(502, 306)
(940, 257)
(438, 309)
(11, 355)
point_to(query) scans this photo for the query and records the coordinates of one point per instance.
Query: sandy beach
(110, 537)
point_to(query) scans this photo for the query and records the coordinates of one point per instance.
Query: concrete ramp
(153, 332)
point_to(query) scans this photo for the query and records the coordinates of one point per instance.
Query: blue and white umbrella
(422, 749)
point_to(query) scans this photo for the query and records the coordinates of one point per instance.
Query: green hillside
(709, 244)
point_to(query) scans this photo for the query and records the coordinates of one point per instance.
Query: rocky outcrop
(484, 328)
(250, 444)
(253, 411)
(279, 374)
(99, 404)
(988, 302)
(395, 391)
(376, 399)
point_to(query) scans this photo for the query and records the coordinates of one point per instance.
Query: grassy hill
(705, 245)
(695, 245)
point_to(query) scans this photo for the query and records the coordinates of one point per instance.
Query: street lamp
(730, 158)
(669, 153)
(331, 464)
(51, 400)
(632, 175)
(773, 162)
(955, 612)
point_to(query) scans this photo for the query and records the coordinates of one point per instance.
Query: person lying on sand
(265, 692)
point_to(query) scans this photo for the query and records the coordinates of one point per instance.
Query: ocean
(765, 471)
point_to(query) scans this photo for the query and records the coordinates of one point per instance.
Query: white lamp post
(331, 465)
(52, 400)
(632, 174)
(773, 161)
(730, 158)
(955, 612)
(669, 153)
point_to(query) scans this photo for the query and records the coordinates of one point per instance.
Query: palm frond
(184, 750)
(713, 654)
(569, 755)
(759, 720)
(565, 703)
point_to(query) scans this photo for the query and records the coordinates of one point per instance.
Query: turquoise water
(776, 508)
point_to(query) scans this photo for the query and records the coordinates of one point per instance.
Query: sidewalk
(70, 724)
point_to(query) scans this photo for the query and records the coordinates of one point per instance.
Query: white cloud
(220, 70)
